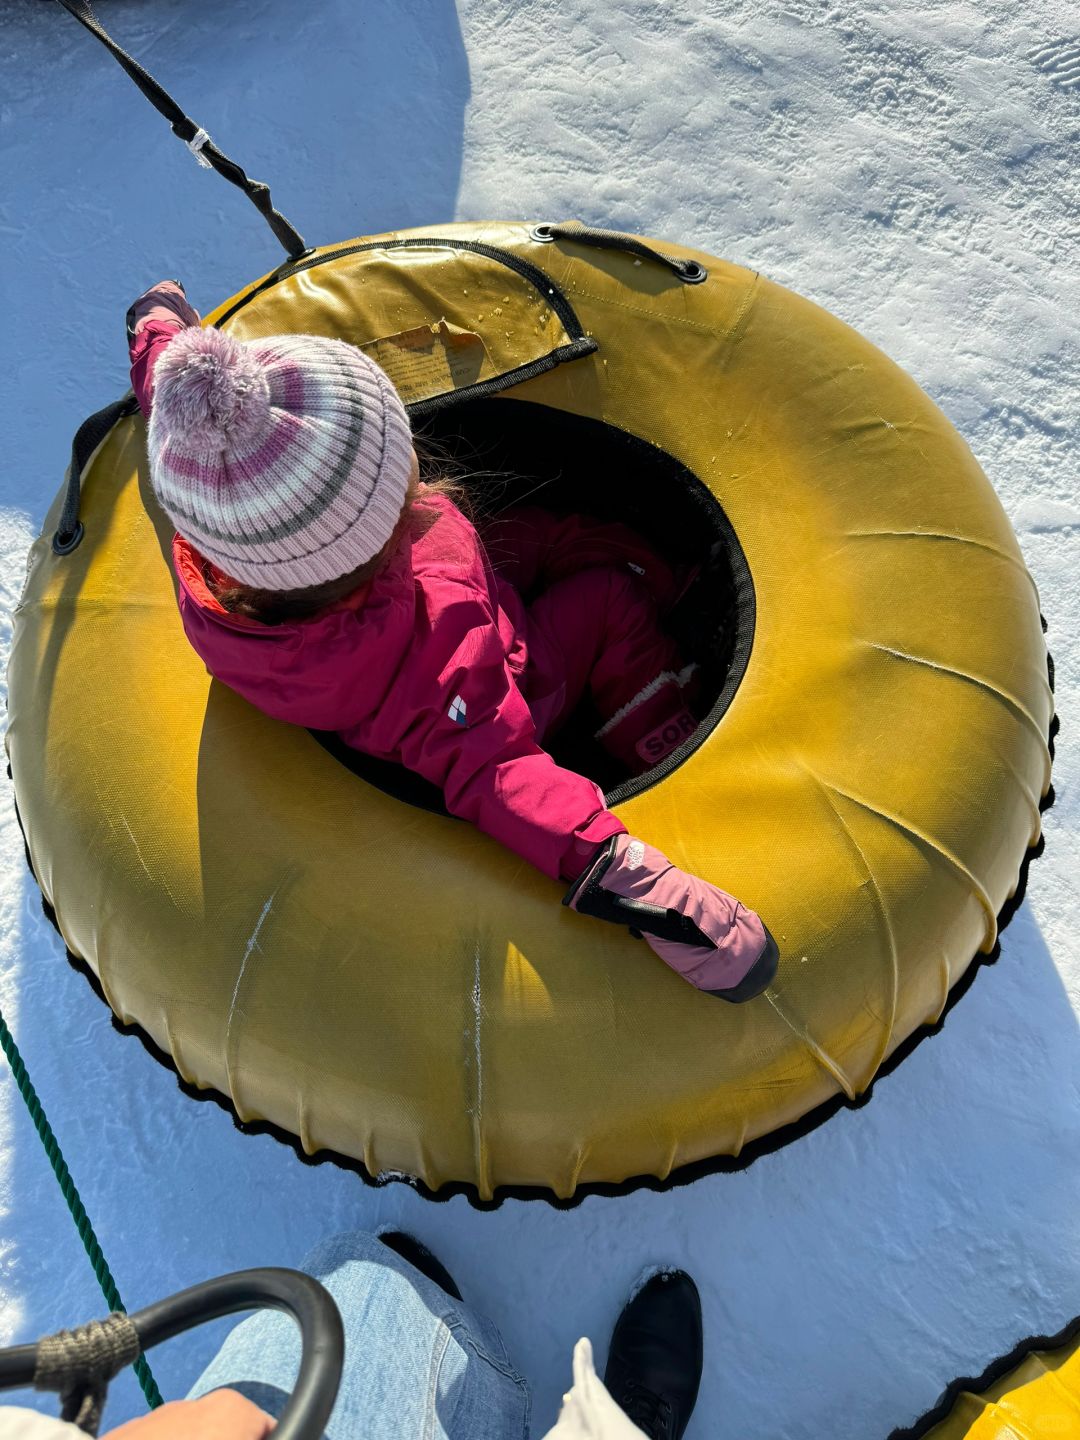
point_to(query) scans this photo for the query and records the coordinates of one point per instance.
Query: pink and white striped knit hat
(284, 461)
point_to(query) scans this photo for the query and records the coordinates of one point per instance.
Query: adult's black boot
(421, 1258)
(654, 1364)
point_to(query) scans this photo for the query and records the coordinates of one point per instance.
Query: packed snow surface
(911, 167)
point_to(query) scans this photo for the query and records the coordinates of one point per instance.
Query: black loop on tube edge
(64, 544)
(690, 272)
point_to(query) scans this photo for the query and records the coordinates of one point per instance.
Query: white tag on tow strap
(195, 145)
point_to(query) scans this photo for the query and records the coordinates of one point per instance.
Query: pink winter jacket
(420, 667)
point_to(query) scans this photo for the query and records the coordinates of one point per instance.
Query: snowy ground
(911, 167)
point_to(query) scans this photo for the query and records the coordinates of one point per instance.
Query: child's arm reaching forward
(478, 743)
(416, 670)
(456, 716)
(152, 321)
(702, 932)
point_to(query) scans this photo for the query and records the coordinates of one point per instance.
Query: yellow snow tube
(388, 984)
(1038, 1399)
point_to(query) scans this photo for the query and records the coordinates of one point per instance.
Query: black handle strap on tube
(196, 139)
(69, 529)
(84, 1360)
(688, 271)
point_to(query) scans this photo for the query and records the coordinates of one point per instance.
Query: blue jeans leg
(419, 1365)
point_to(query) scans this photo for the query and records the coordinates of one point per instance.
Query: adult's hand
(221, 1415)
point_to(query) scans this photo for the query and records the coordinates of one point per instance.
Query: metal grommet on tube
(691, 273)
(541, 234)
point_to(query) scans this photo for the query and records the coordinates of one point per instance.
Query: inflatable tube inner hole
(511, 451)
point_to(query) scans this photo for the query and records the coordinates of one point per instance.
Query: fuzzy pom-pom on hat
(285, 460)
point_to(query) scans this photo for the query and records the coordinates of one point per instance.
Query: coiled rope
(74, 1200)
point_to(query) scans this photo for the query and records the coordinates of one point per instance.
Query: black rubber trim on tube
(977, 1385)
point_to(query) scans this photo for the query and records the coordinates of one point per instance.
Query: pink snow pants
(595, 629)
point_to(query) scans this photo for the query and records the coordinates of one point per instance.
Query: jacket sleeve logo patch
(457, 710)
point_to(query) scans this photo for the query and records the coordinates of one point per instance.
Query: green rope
(71, 1195)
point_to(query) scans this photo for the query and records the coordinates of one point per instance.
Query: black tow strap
(193, 136)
